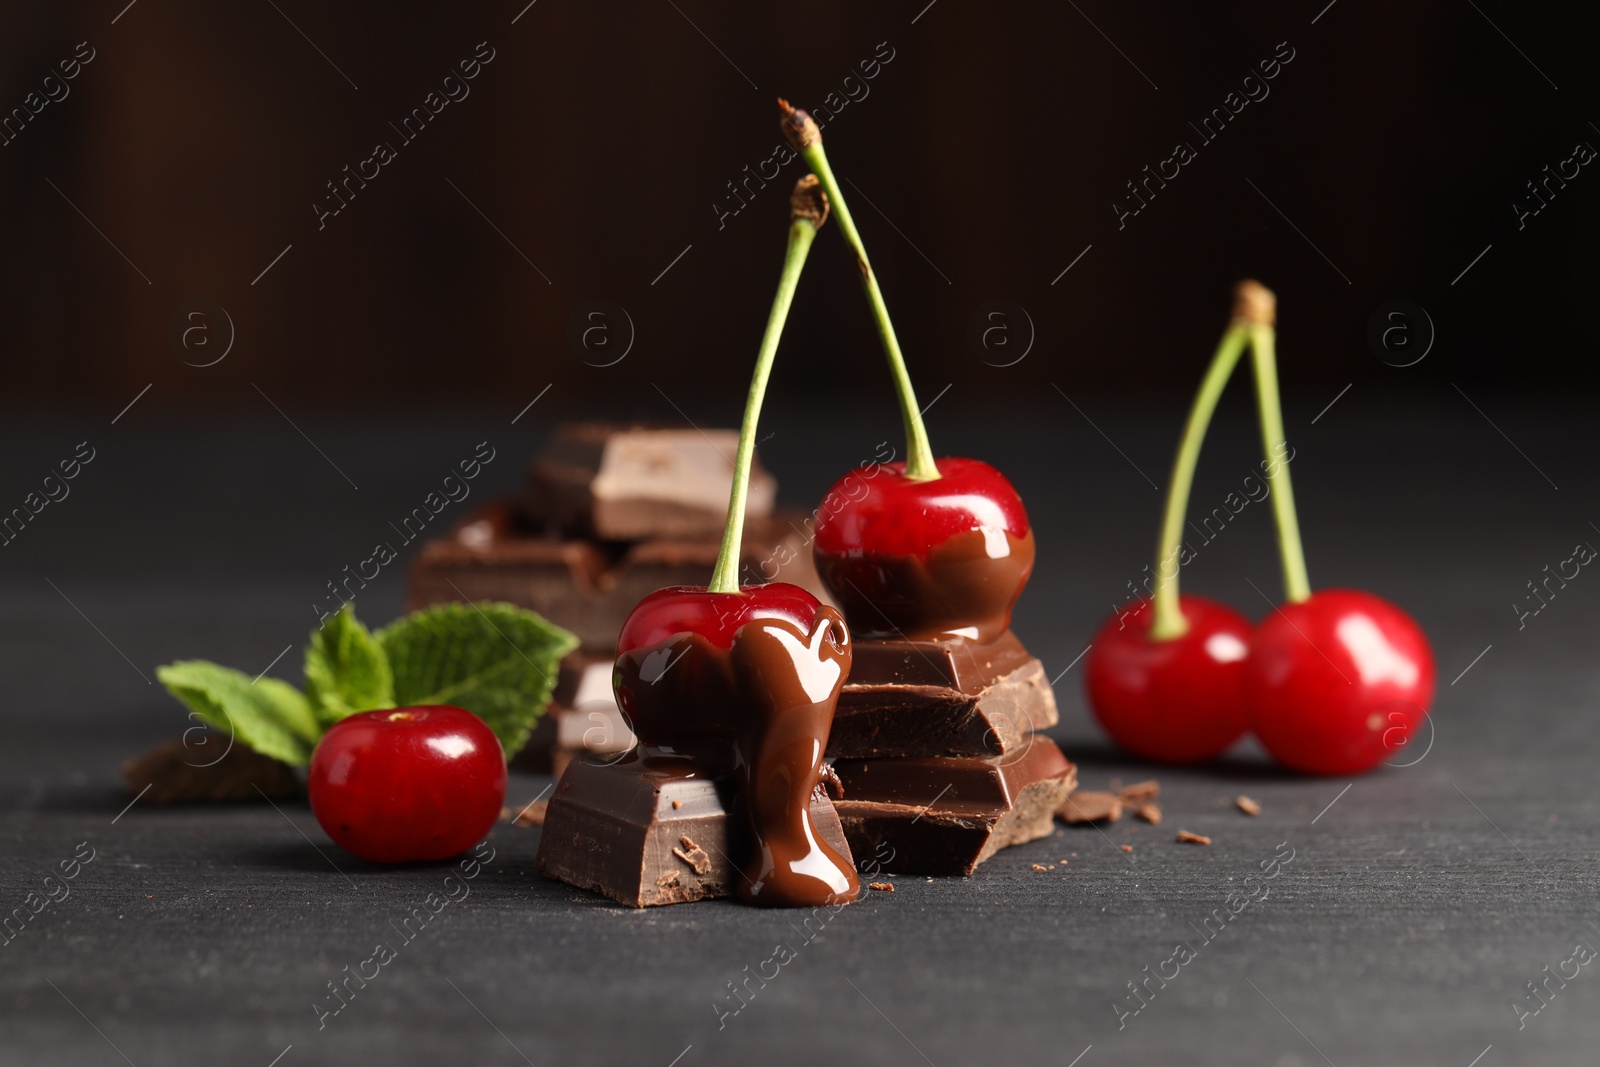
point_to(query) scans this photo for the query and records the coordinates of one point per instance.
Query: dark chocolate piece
(586, 587)
(617, 482)
(650, 831)
(965, 587)
(946, 816)
(941, 698)
(196, 773)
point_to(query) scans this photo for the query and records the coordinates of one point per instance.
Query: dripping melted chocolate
(966, 587)
(759, 712)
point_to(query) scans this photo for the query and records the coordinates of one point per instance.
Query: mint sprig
(271, 716)
(346, 670)
(496, 660)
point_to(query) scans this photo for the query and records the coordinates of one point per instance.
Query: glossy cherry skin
(714, 616)
(423, 783)
(1176, 701)
(1337, 683)
(925, 558)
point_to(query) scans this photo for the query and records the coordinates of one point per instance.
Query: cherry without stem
(422, 783)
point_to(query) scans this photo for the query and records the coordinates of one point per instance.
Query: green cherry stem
(1168, 622)
(1296, 583)
(808, 210)
(804, 135)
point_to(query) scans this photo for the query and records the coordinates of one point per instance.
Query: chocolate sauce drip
(759, 712)
(966, 587)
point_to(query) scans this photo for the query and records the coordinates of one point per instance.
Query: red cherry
(1338, 682)
(925, 558)
(1177, 701)
(423, 783)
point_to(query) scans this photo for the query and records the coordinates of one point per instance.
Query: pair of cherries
(1332, 682)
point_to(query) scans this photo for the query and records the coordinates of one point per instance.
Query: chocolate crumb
(1088, 806)
(692, 854)
(1185, 837)
(1149, 789)
(532, 814)
(883, 887)
(1247, 805)
(668, 880)
(1040, 867)
(1150, 813)
(676, 804)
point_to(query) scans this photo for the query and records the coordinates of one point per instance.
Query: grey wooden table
(1418, 903)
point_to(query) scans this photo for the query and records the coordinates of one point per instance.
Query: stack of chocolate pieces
(935, 745)
(611, 513)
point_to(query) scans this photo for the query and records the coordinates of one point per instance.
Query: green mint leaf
(346, 670)
(269, 715)
(495, 660)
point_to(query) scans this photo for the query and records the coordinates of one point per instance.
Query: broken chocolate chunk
(587, 587)
(180, 772)
(951, 697)
(651, 831)
(619, 482)
(934, 815)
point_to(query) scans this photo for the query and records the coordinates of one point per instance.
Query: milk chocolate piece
(586, 587)
(651, 831)
(946, 816)
(619, 482)
(951, 697)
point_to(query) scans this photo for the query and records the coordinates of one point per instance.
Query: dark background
(377, 352)
(991, 149)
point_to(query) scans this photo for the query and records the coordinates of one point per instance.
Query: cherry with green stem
(1336, 680)
(801, 130)
(1165, 679)
(932, 548)
(742, 681)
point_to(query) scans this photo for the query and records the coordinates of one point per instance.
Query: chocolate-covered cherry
(929, 558)
(423, 783)
(1338, 682)
(1165, 679)
(1179, 700)
(932, 549)
(745, 684)
(743, 681)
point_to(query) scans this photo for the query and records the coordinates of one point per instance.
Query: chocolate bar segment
(947, 815)
(650, 831)
(950, 697)
(587, 587)
(621, 482)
